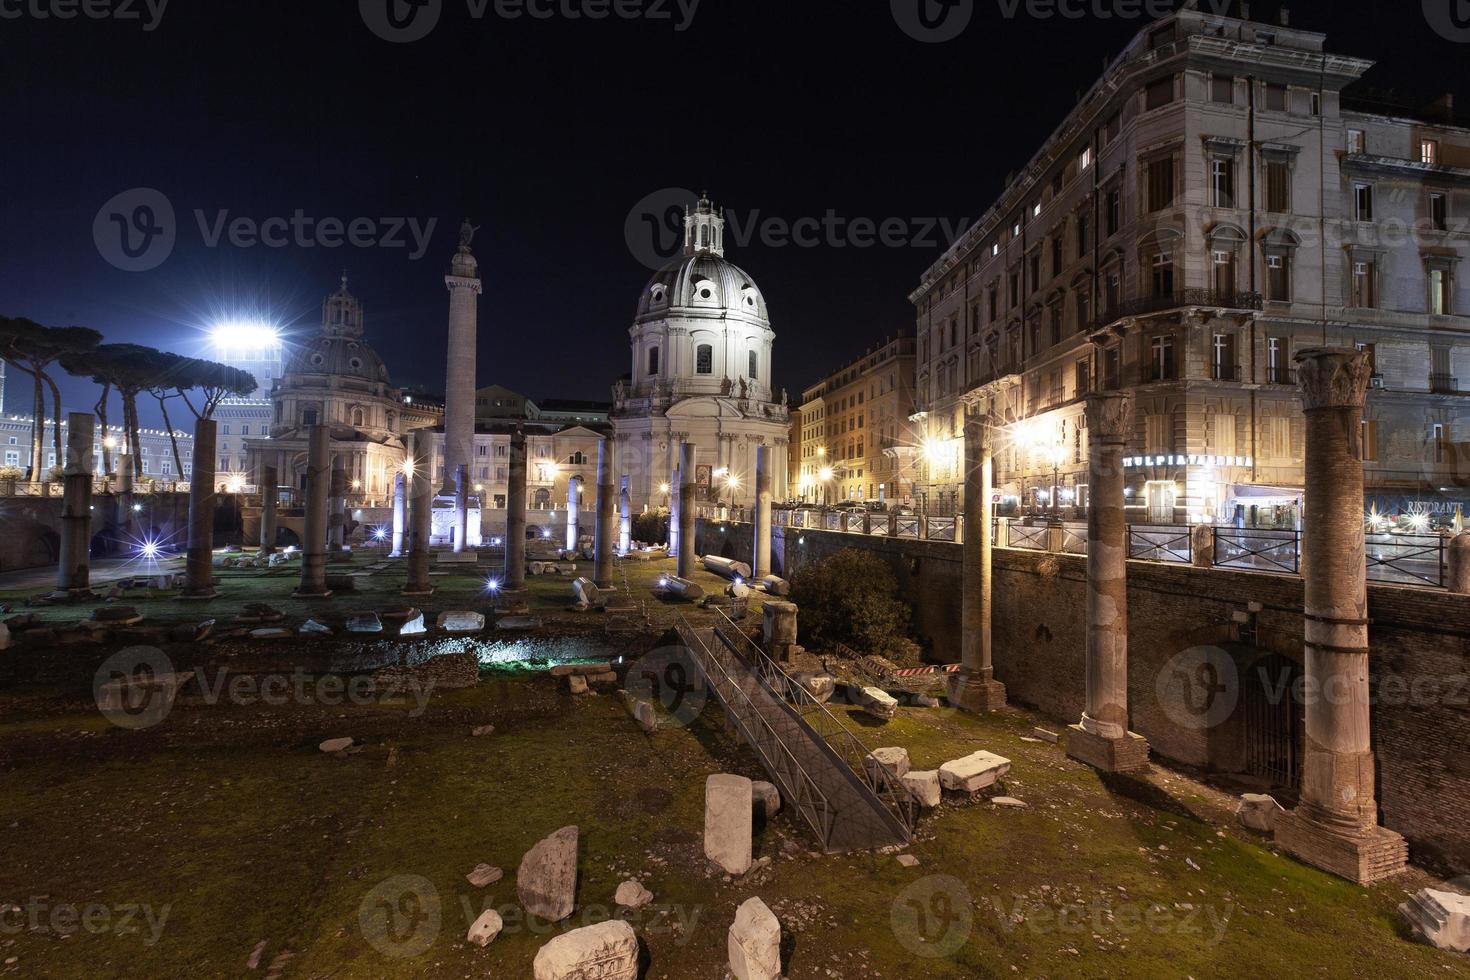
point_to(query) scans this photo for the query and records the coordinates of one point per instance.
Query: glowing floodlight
(826, 473)
(137, 507)
(380, 533)
(244, 335)
(149, 550)
(493, 585)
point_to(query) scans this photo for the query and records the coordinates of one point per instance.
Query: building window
(1441, 290)
(1161, 183)
(1278, 361)
(1363, 201)
(1222, 89)
(1114, 211)
(1082, 371)
(653, 361)
(244, 430)
(12, 457)
(1112, 368)
(358, 418)
(1084, 310)
(1279, 438)
(1438, 212)
(1161, 359)
(1278, 278)
(1084, 234)
(1364, 292)
(1113, 292)
(1163, 274)
(1368, 449)
(704, 359)
(1316, 103)
(751, 369)
(1084, 160)
(1159, 94)
(1222, 181)
(1223, 261)
(308, 416)
(1056, 254)
(1429, 151)
(1276, 97)
(1223, 348)
(1278, 186)
(1357, 141)
(1436, 442)
(224, 430)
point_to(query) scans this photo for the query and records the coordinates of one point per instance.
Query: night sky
(547, 133)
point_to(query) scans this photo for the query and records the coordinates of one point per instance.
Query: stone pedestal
(314, 545)
(779, 630)
(199, 564)
(337, 520)
(1102, 738)
(420, 523)
(761, 565)
(975, 688)
(269, 498)
(400, 513)
(515, 516)
(1335, 826)
(687, 488)
(74, 568)
(607, 517)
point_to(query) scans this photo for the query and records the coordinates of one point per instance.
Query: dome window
(317, 360)
(751, 370)
(653, 360)
(704, 359)
(658, 294)
(355, 363)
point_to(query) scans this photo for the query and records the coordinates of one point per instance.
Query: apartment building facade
(856, 433)
(1212, 206)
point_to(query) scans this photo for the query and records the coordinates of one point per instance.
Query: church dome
(339, 350)
(703, 282)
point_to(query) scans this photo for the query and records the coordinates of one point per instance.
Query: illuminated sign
(1175, 459)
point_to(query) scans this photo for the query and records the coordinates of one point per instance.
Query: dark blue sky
(547, 133)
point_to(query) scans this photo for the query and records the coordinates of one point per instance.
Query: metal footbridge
(825, 773)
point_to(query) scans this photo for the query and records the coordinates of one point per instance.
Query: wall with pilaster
(1181, 618)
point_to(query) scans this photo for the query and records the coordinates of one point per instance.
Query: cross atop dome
(342, 313)
(704, 228)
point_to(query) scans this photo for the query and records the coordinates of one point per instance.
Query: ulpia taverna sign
(1174, 459)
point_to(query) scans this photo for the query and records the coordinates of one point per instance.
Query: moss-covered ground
(183, 847)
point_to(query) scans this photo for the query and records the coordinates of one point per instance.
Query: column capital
(462, 282)
(1110, 415)
(1333, 377)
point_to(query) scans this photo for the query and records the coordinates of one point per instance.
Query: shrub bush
(651, 528)
(852, 598)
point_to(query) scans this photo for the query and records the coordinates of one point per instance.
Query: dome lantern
(704, 228)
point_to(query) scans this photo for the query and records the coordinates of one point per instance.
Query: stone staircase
(849, 800)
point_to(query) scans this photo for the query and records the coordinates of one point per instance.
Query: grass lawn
(189, 844)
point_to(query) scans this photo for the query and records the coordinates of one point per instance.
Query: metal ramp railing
(850, 800)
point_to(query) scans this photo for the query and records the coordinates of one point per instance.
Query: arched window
(577, 459)
(357, 417)
(704, 359)
(653, 360)
(751, 372)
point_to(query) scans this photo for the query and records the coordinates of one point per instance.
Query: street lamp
(825, 474)
(1047, 442)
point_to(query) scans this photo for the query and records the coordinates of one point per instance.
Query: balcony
(1280, 376)
(1226, 372)
(1146, 305)
(1152, 372)
(1443, 384)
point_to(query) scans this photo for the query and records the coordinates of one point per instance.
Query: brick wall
(1200, 642)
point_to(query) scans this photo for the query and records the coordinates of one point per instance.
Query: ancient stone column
(459, 380)
(607, 517)
(574, 531)
(515, 516)
(73, 571)
(625, 517)
(318, 485)
(760, 567)
(420, 520)
(1335, 826)
(199, 564)
(687, 547)
(676, 481)
(975, 688)
(461, 529)
(400, 513)
(1102, 739)
(269, 497)
(1459, 563)
(337, 521)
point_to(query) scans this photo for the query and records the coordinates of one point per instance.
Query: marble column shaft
(73, 572)
(574, 531)
(515, 516)
(975, 687)
(607, 517)
(269, 498)
(318, 485)
(199, 561)
(1109, 423)
(400, 512)
(761, 565)
(687, 550)
(459, 386)
(420, 521)
(337, 521)
(625, 516)
(461, 529)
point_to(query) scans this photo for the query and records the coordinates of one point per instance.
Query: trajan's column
(459, 378)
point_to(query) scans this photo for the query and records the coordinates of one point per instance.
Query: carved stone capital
(1333, 377)
(1110, 415)
(462, 282)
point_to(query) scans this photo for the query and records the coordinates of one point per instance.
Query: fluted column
(74, 570)
(686, 489)
(607, 516)
(1102, 739)
(975, 688)
(761, 566)
(270, 493)
(318, 479)
(1335, 826)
